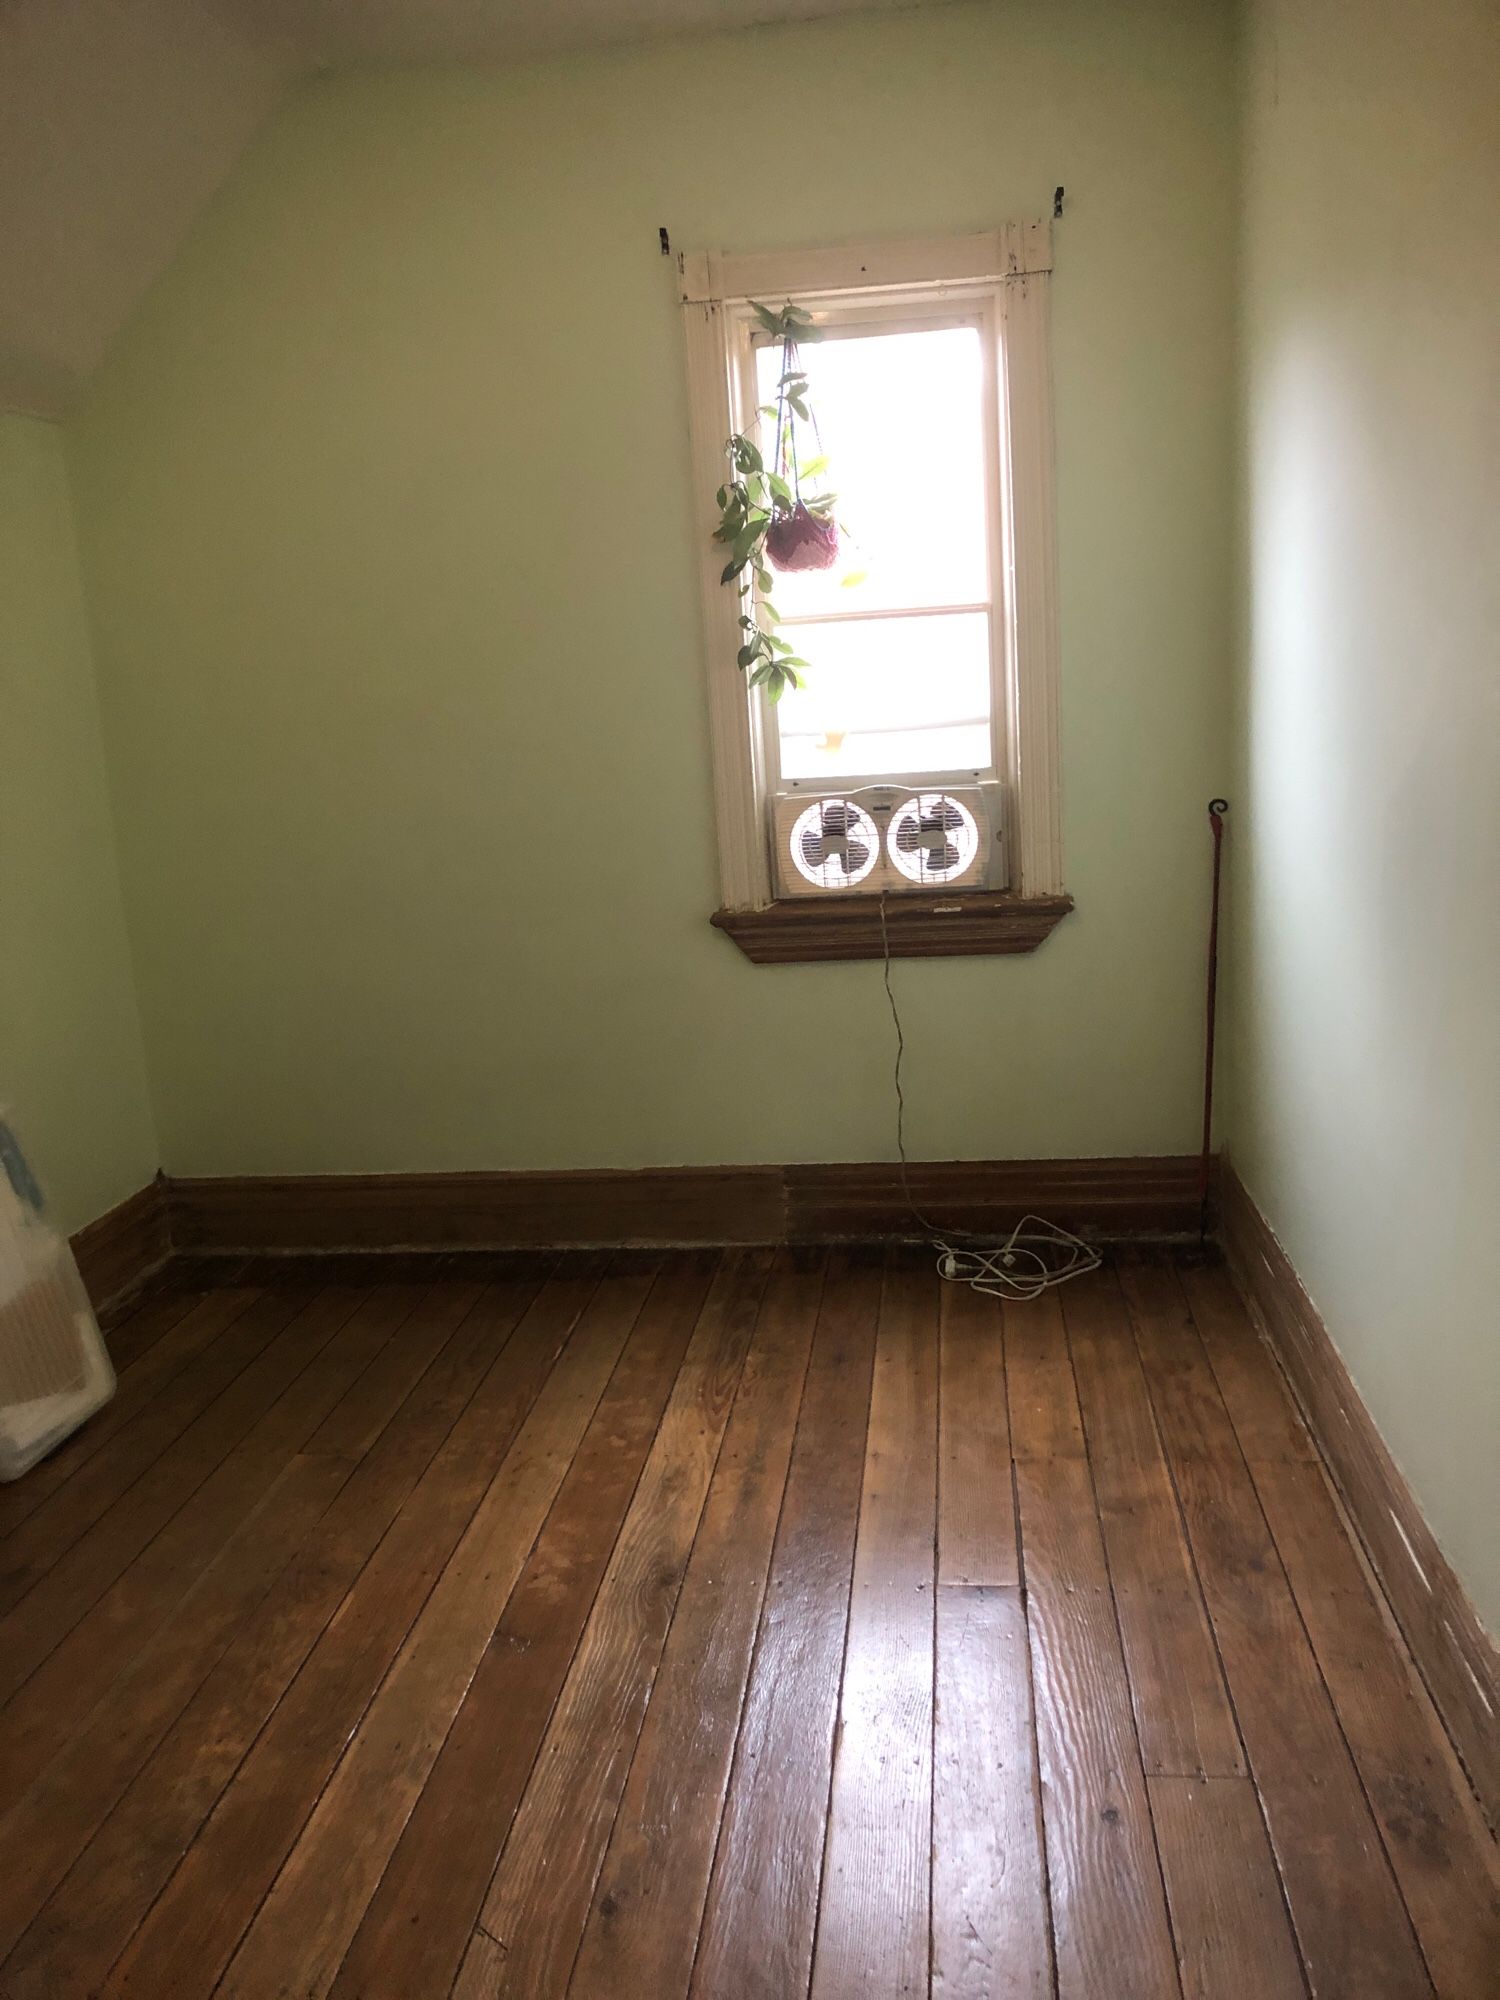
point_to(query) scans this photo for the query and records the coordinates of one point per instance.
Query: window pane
(888, 697)
(901, 419)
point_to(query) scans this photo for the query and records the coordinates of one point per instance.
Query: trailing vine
(767, 518)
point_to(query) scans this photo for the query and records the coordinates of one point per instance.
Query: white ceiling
(119, 119)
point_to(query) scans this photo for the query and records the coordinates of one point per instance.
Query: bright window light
(897, 634)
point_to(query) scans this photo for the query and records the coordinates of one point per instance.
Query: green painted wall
(1366, 847)
(71, 1066)
(385, 507)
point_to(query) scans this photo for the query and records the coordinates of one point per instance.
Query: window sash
(846, 317)
(1009, 268)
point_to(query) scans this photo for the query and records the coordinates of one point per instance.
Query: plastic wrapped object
(54, 1370)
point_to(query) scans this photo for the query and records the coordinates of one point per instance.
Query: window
(905, 796)
(898, 633)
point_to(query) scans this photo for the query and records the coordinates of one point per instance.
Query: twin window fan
(887, 839)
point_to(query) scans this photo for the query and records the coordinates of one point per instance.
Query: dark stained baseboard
(476, 1211)
(1116, 1198)
(675, 1205)
(1454, 1654)
(124, 1248)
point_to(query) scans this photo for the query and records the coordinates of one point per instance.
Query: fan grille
(834, 844)
(933, 837)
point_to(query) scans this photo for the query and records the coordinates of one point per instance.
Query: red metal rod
(1216, 811)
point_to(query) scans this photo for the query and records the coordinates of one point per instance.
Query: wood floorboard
(991, 1938)
(103, 1752)
(538, 1901)
(874, 1921)
(756, 1939)
(298, 1936)
(60, 1501)
(137, 1332)
(174, 1325)
(1234, 1938)
(1265, 1419)
(273, 1348)
(976, 1513)
(1182, 1712)
(1434, 1831)
(1109, 1917)
(1041, 1395)
(1431, 1822)
(414, 1933)
(991, 1934)
(644, 1920)
(80, 1670)
(1353, 1929)
(82, 1929)
(219, 1883)
(742, 1625)
(54, 1818)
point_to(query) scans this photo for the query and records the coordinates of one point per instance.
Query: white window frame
(1004, 274)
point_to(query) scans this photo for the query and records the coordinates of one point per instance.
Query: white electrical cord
(1035, 1256)
(1017, 1268)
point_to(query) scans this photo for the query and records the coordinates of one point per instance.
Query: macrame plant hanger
(799, 539)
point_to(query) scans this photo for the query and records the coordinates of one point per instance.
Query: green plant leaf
(730, 572)
(854, 579)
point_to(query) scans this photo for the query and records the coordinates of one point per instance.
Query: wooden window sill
(803, 930)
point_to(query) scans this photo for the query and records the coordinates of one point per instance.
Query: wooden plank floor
(747, 1626)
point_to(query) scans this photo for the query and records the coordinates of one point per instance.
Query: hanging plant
(778, 515)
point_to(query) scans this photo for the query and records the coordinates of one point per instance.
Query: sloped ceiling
(362, 31)
(119, 119)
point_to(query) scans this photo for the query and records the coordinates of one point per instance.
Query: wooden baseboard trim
(1453, 1652)
(674, 1205)
(119, 1252)
(475, 1211)
(1108, 1199)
